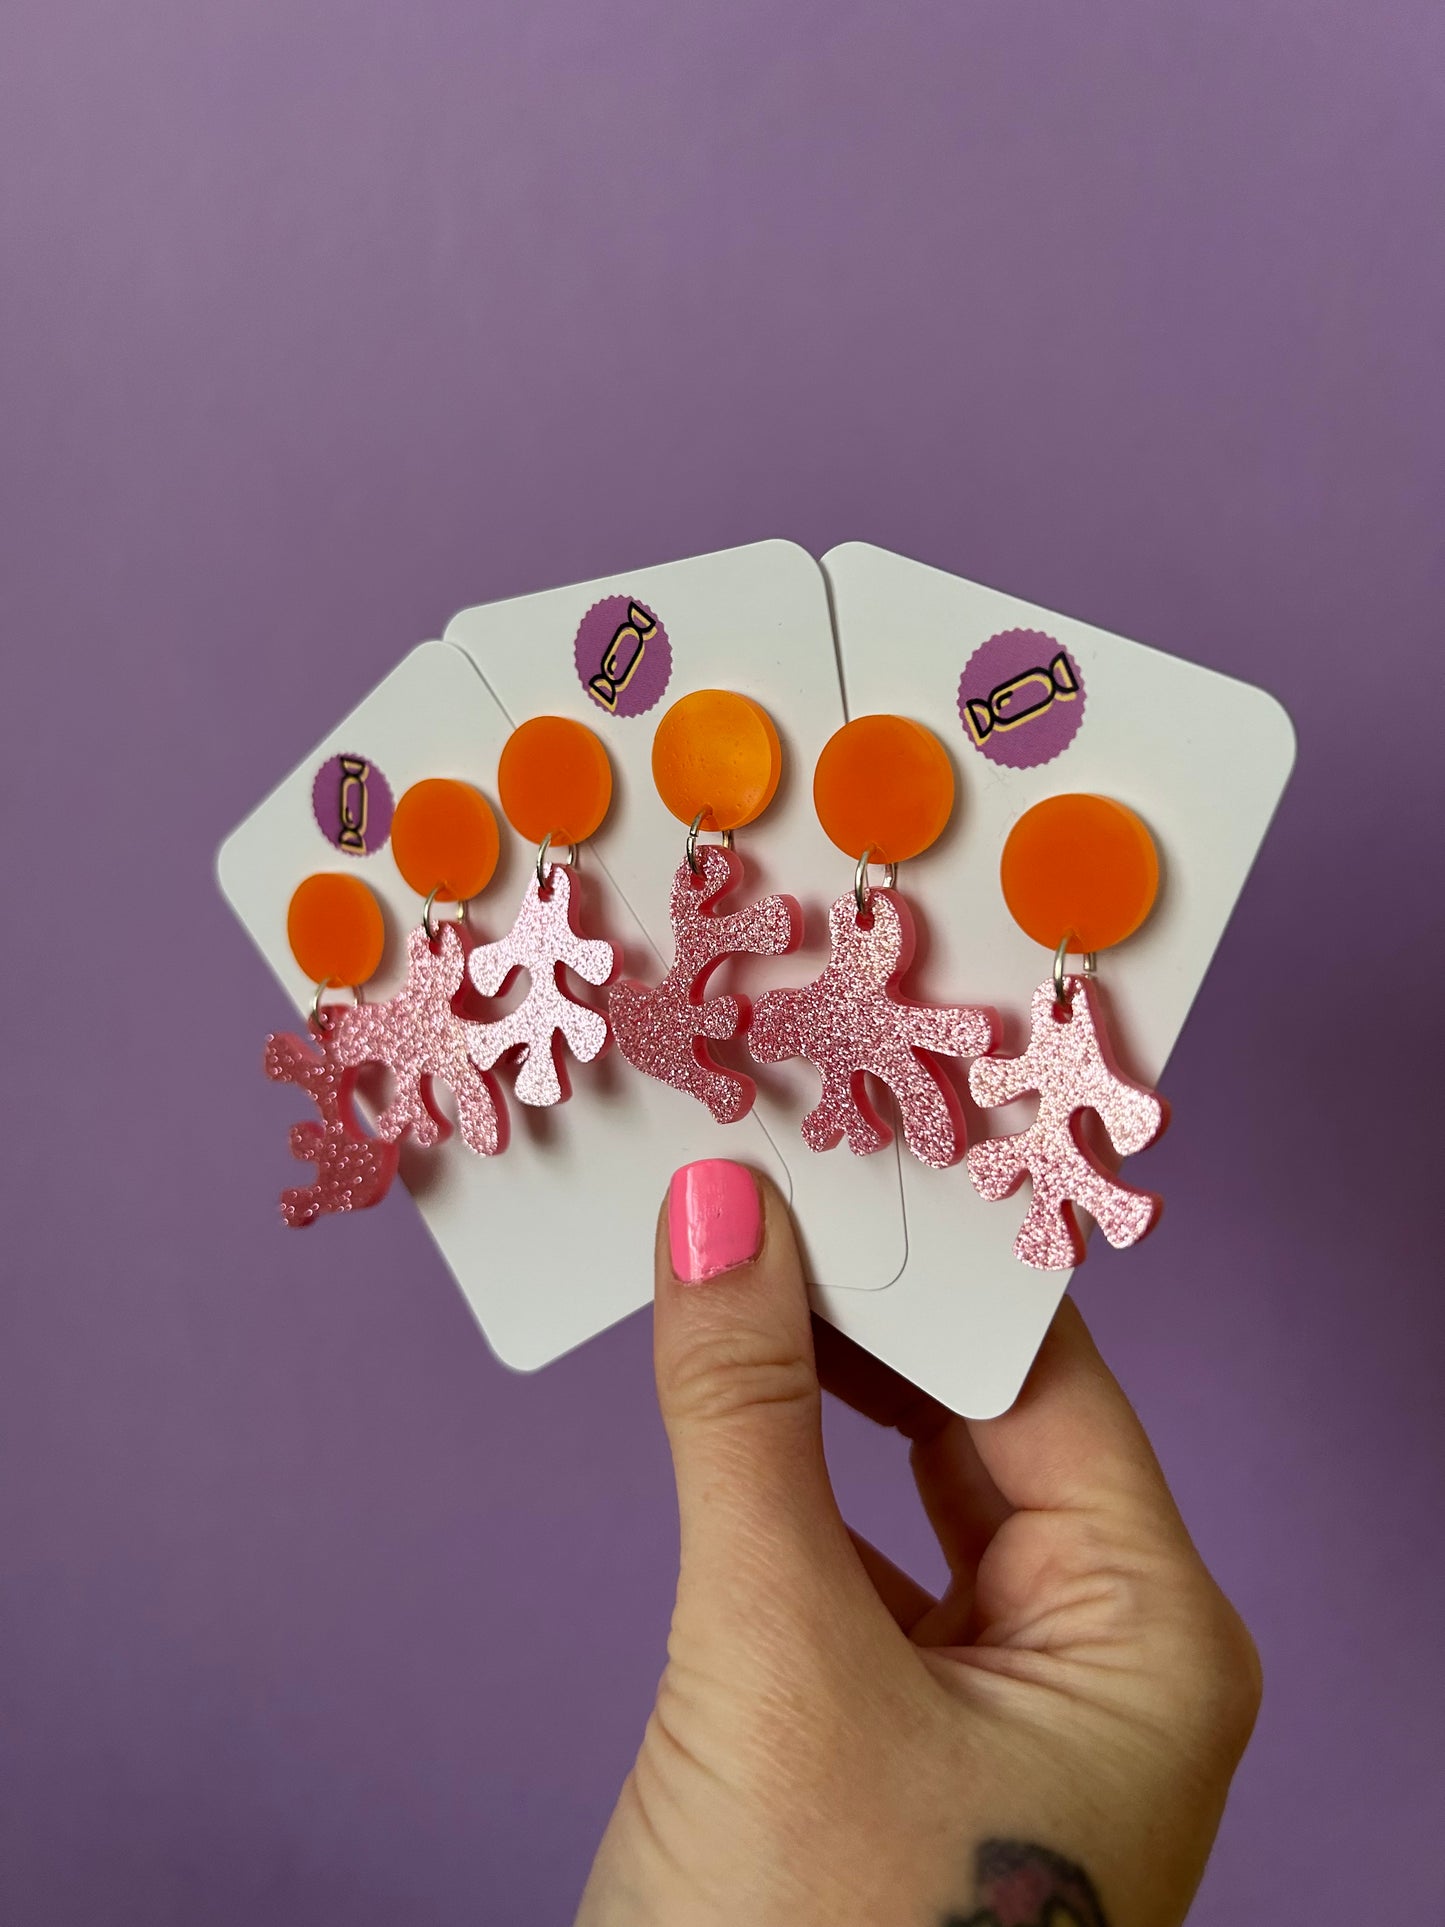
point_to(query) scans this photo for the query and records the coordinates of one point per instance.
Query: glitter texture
(541, 941)
(849, 1022)
(418, 1036)
(665, 1032)
(1068, 1063)
(352, 1170)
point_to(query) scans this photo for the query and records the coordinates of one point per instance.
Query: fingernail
(714, 1219)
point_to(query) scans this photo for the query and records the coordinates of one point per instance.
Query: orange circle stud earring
(1079, 874)
(884, 791)
(555, 784)
(716, 760)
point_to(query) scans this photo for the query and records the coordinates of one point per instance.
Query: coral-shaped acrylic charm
(418, 1036)
(352, 1170)
(1068, 1063)
(541, 941)
(666, 1031)
(849, 1023)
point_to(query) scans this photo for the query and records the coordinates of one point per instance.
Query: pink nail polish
(714, 1219)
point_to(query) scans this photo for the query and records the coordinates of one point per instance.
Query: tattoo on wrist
(1021, 1885)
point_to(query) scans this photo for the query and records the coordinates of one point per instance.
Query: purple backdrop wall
(321, 320)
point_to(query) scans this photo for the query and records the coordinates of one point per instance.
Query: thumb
(733, 1347)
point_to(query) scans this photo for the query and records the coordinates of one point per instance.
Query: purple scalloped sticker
(624, 660)
(352, 803)
(1021, 698)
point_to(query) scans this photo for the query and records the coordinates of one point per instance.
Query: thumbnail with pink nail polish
(714, 1219)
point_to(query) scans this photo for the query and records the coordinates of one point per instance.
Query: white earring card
(1032, 704)
(551, 1240)
(614, 654)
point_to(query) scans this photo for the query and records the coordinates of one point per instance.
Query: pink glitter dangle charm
(418, 1036)
(851, 1024)
(541, 941)
(352, 1170)
(665, 1032)
(1068, 1063)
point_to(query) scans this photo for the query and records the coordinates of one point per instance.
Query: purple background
(322, 320)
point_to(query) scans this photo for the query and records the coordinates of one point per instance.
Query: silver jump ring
(693, 828)
(861, 892)
(1091, 964)
(429, 906)
(313, 1015)
(544, 853)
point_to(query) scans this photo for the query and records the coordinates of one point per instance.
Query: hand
(1047, 1745)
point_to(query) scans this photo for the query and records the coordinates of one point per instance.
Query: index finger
(964, 1507)
(1072, 1441)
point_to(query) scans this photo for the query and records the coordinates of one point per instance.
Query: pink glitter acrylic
(418, 1036)
(665, 1032)
(850, 1023)
(541, 941)
(1069, 1064)
(352, 1170)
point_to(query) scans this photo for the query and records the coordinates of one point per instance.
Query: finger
(964, 1506)
(906, 1600)
(950, 1623)
(738, 1387)
(872, 1388)
(1072, 1439)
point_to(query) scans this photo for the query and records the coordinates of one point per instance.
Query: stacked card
(909, 1261)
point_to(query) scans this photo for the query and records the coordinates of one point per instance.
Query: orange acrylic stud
(885, 785)
(1080, 870)
(444, 839)
(335, 929)
(716, 759)
(554, 781)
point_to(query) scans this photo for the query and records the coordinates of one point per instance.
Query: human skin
(1049, 1744)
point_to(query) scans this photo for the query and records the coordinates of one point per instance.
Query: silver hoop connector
(1062, 995)
(544, 857)
(430, 905)
(316, 1021)
(692, 834)
(861, 892)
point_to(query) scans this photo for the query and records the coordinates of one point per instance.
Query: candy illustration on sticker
(352, 804)
(1021, 698)
(624, 660)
